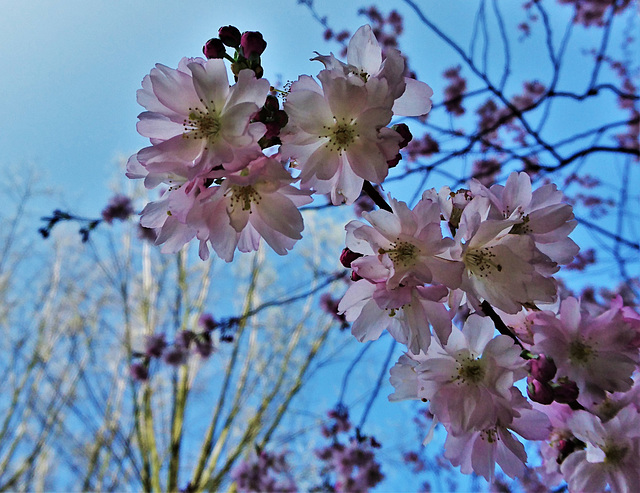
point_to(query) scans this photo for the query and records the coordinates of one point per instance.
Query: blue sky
(71, 70)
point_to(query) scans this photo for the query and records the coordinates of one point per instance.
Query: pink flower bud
(539, 391)
(184, 338)
(404, 132)
(347, 256)
(271, 103)
(253, 44)
(565, 391)
(214, 49)
(175, 355)
(230, 36)
(543, 369)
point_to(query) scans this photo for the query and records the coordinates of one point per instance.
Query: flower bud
(154, 344)
(567, 446)
(119, 207)
(394, 162)
(565, 391)
(204, 345)
(253, 44)
(175, 355)
(404, 132)
(539, 391)
(214, 49)
(542, 368)
(230, 36)
(207, 322)
(139, 372)
(271, 104)
(184, 338)
(347, 256)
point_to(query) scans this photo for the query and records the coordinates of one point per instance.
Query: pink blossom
(195, 117)
(409, 97)
(611, 456)
(479, 450)
(469, 380)
(168, 216)
(403, 247)
(337, 134)
(406, 312)
(598, 353)
(540, 214)
(256, 202)
(507, 270)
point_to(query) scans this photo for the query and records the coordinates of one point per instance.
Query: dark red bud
(543, 369)
(394, 162)
(214, 49)
(347, 256)
(565, 391)
(253, 44)
(273, 130)
(184, 338)
(539, 391)
(404, 132)
(281, 118)
(230, 35)
(272, 104)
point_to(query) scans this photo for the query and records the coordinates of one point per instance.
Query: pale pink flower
(598, 353)
(406, 312)
(337, 135)
(506, 270)
(611, 456)
(403, 247)
(559, 444)
(168, 216)
(195, 117)
(479, 450)
(404, 377)
(469, 380)
(364, 60)
(256, 202)
(615, 401)
(540, 214)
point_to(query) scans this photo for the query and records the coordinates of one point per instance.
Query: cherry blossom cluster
(441, 277)
(351, 466)
(177, 353)
(264, 471)
(208, 141)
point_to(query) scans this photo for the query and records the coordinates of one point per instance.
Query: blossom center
(471, 370)
(341, 135)
(201, 124)
(614, 454)
(580, 353)
(490, 435)
(521, 228)
(244, 197)
(403, 253)
(481, 261)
